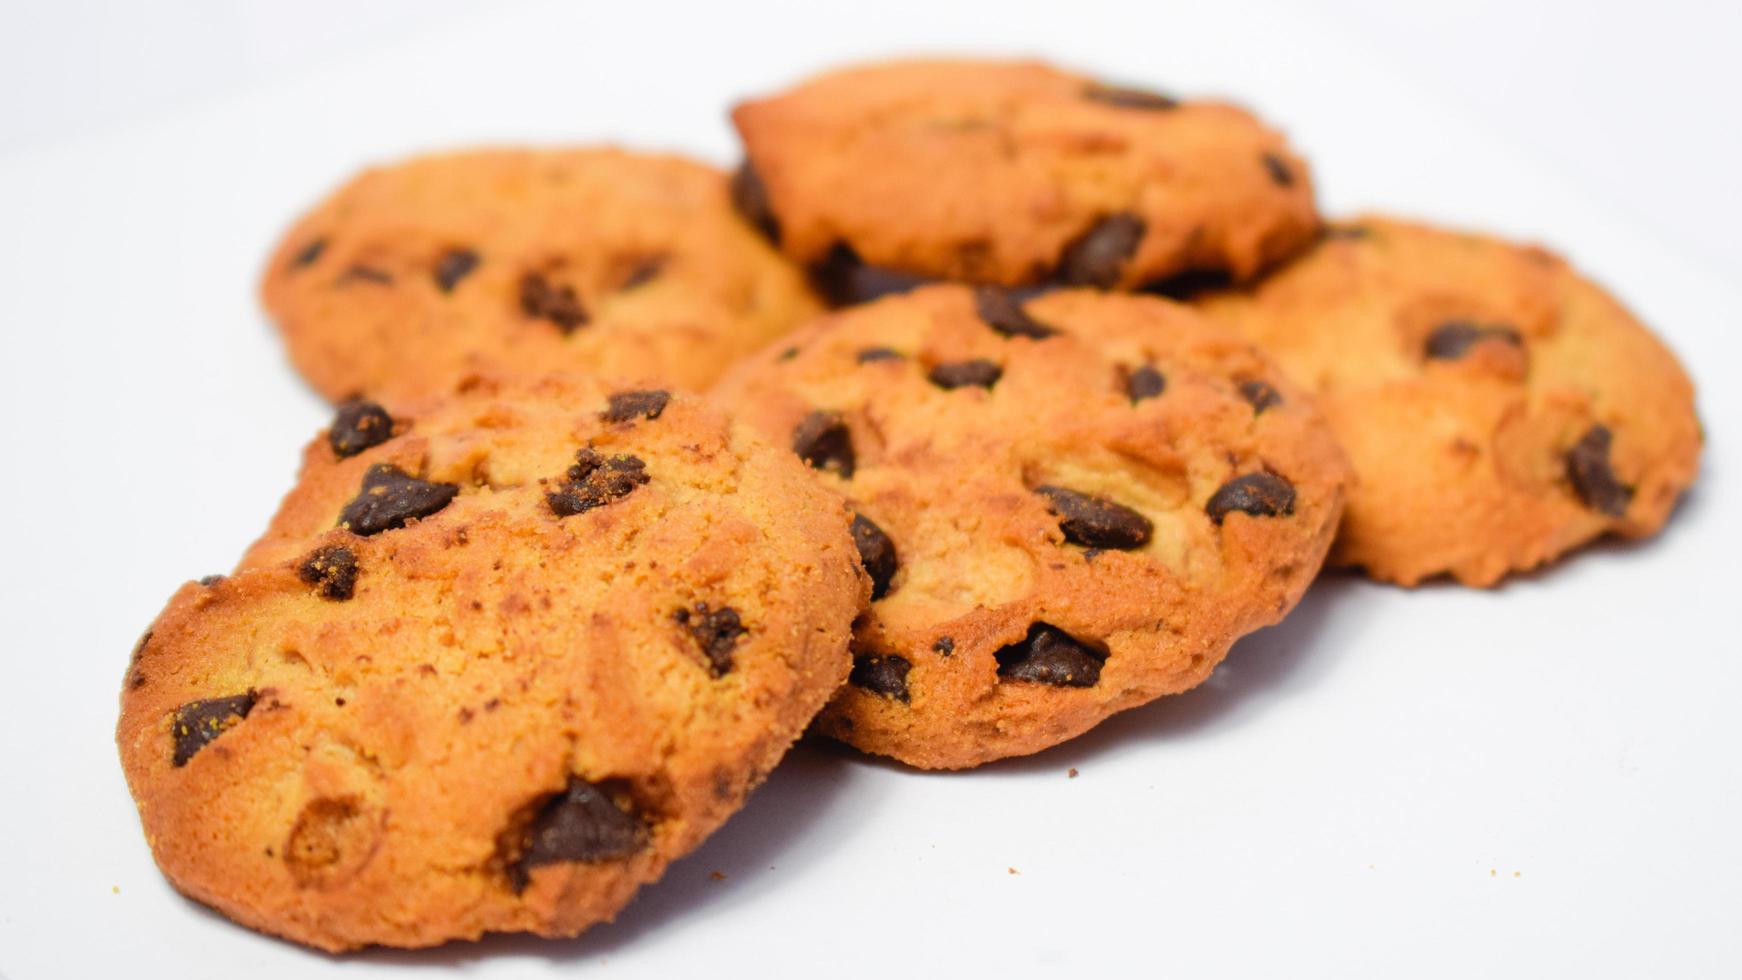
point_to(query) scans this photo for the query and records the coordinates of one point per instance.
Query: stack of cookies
(985, 400)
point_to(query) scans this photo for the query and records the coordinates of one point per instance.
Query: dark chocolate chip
(876, 554)
(541, 298)
(1096, 522)
(1145, 382)
(136, 675)
(1190, 284)
(1278, 170)
(390, 497)
(197, 723)
(845, 280)
(359, 425)
(944, 646)
(978, 373)
(582, 823)
(210, 580)
(1049, 655)
(1003, 312)
(595, 481)
(1098, 255)
(1593, 478)
(750, 198)
(824, 441)
(884, 674)
(716, 630)
(643, 272)
(1260, 394)
(310, 253)
(457, 264)
(627, 406)
(1454, 338)
(788, 354)
(332, 571)
(1129, 98)
(872, 354)
(1257, 494)
(367, 273)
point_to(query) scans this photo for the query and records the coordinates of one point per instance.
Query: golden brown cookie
(1015, 173)
(1067, 508)
(415, 276)
(1499, 409)
(498, 661)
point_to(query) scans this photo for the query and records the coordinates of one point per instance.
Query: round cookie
(1014, 173)
(497, 662)
(415, 276)
(1499, 409)
(1068, 507)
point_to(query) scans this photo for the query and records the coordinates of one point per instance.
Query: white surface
(1542, 780)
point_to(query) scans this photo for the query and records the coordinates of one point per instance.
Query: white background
(1543, 780)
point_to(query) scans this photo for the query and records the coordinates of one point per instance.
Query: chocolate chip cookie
(498, 661)
(415, 276)
(1014, 173)
(1500, 410)
(1067, 506)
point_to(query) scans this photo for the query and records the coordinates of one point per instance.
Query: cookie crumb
(1013, 871)
(1072, 774)
(717, 875)
(115, 889)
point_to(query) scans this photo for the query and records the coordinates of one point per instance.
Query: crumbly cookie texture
(1499, 409)
(495, 664)
(1017, 173)
(1068, 507)
(416, 276)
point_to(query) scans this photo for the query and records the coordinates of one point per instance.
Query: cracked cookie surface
(1500, 410)
(1014, 173)
(1090, 529)
(487, 709)
(417, 275)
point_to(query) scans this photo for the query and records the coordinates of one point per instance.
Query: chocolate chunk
(1260, 394)
(643, 272)
(977, 373)
(944, 646)
(1096, 522)
(1190, 283)
(1098, 255)
(1049, 655)
(716, 630)
(1121, 97)
(824, 441)
(358, 426)
(367, 273)
(1592, 477)
(582, 823)
(136, 674)
(197, 723)
(595, 481)
(876, 554)
(627, 406)
(1278, 170)
(872, 354)
(1258, 494)
(310, 253)
(210, 580)
(390, 497)
(541, 298)
(457, 264)
(884, 674)
(1145, 382)
(332, 571)
(1003, 312)
(750, 198)
(1454, 338)
(845, 280)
